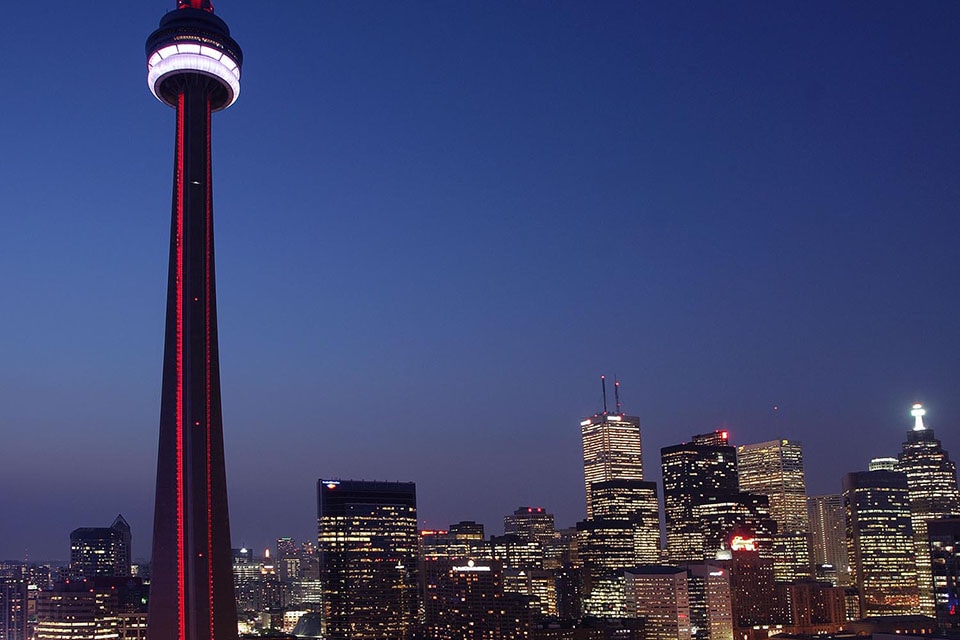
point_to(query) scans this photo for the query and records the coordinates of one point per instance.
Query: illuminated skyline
(441, 223)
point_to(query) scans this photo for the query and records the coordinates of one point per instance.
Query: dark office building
(465, 600)
(634, 501)
(193, 66)
(101, 551)
(367, 548)
(880, 542)
(945, 559)
(725, 518)
(755, 597)
(693, 472)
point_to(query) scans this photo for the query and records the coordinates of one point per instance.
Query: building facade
(711, 603)
(775, 469)
(731, 520)
(101, 608)
(693, 473)
(533, 524)
(101, 551)
(880, 542)
(945, 567)
(367, 547)
(659, 594)
(633, 501)
(828, 544)
(612, 450)
(13, 602)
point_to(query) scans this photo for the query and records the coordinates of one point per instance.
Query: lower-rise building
(464, 600)
(13, 603)
(711, 603)
(659, 595)
(814, 608)
(100, 608)
(944, 536)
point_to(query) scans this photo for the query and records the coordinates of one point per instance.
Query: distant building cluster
(739, 552)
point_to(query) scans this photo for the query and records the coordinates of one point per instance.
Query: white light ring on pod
(173, 59)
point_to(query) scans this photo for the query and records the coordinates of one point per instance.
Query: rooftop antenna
(603, 386)
(616, 393)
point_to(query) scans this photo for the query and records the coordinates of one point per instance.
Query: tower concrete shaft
(192, 593)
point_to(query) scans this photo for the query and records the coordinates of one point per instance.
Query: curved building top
(192, 40)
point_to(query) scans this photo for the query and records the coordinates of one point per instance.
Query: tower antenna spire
(616, 393)
(603, 387)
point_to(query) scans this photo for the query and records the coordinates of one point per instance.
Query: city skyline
(447, 221)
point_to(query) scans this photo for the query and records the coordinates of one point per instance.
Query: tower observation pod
(193, 65)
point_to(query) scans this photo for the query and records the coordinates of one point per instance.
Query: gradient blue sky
(439, 222)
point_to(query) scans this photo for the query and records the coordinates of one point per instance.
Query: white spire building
(932, 485)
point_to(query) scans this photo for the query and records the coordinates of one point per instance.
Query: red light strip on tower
(181, 567)
(208, 268)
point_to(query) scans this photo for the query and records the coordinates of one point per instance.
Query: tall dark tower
(193, 65)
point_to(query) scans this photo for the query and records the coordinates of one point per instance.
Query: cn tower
(193, 65)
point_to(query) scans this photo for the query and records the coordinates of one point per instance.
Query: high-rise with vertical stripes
(775, 469)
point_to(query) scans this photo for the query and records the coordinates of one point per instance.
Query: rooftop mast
(603, 386)
(616, 393)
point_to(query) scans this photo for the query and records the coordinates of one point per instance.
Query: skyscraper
(101, 551)
(693, 473)
(633, 501)
(612, 450)
(880, 542)
(932, 482)
(828, 544)
(193, 65)
(367, 545)
(775, 469)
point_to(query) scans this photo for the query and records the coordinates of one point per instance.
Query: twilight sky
(439, 222)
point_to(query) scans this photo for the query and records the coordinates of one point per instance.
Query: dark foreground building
(193, 65)
(367, 546)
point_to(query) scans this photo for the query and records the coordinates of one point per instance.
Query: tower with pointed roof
(932, 484)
